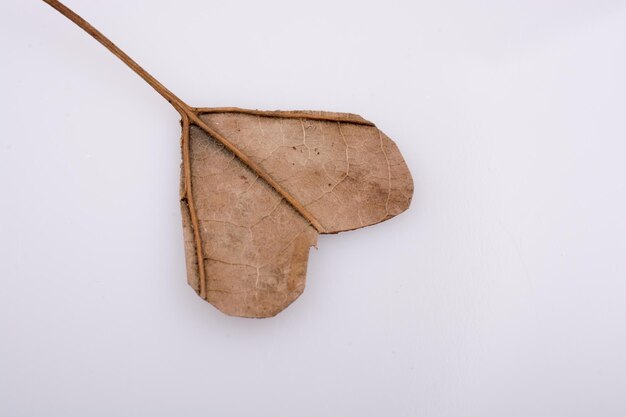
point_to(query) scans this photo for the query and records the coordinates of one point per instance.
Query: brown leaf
(257, 187)
(342, 172)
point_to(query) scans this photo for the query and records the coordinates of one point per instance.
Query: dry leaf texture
(258, 187)
(342, 172)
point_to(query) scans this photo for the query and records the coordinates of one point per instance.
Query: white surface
(501, 292)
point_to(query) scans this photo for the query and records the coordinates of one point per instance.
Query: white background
(501, 292)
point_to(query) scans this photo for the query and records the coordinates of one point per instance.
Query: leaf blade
(255, 243)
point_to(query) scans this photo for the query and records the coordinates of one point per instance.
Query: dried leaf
(257, 187)
(341, 170)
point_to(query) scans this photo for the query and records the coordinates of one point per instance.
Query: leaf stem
(178, 104)
(188, 114)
